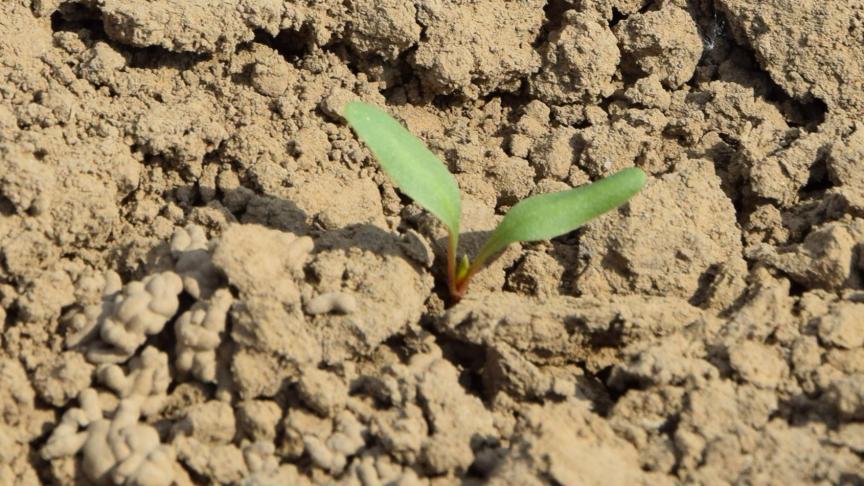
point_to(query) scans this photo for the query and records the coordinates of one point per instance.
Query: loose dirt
(206, 279)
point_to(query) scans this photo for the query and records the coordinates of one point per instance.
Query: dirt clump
(573, 72)
(825, 64)
(206, 278)
(664, 43)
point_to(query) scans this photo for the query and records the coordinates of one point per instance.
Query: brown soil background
(205, 278)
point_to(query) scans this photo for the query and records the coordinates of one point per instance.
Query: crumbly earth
(205, 278)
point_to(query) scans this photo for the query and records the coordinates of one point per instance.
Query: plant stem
(461, 285)
(451, 264)
(458, 289)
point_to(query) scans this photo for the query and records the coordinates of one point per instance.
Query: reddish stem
(461, 285)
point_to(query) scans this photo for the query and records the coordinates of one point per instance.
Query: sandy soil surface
(206, 279)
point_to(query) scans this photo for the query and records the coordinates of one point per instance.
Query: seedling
(422, 176)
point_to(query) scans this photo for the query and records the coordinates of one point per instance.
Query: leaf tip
(637, 176)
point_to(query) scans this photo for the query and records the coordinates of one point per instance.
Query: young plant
(419, 174)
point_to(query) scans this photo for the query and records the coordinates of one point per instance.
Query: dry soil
(206, 279)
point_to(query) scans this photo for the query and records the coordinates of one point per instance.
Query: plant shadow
(283, 215)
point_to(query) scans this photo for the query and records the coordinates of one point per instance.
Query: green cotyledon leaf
(414, 168)
(549, 215)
